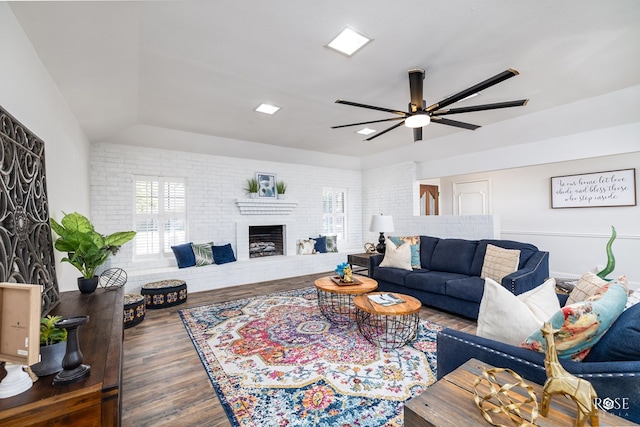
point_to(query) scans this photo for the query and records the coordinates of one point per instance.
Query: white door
(472, 198)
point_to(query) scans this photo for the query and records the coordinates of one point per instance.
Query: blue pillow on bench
(184, 255)
(223, 254)
(321, 244)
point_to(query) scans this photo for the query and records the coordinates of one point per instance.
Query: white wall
(29, 94)
(214, 183)
(575, 237)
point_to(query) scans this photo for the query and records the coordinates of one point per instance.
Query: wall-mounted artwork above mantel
(26, 244)
(598, 189)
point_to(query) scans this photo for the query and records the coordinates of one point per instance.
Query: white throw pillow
(397, 256)
(306, 247)
(510, 319)
(499, 262)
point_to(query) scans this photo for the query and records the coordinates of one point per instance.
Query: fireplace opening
(266, 240)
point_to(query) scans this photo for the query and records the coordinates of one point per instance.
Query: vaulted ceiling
(202, 66)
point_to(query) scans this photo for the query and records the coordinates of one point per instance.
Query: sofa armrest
(618, 382)
(533, 274)
(374, 262)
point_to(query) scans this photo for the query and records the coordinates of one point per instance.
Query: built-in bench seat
(241, 272)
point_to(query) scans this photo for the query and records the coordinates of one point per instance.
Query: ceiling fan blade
(498, 78)
(385, 131)
(416, 78)
(366, 123)
(370, 107)
(417, 134)
(455, 123)
(470, 109)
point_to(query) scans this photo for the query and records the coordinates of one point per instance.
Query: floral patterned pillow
(581, 325)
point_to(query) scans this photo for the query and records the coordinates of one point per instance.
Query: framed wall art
(598, 189)
(266, 184)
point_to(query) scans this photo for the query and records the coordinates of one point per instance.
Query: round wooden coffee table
(387, 326)
(336, 301)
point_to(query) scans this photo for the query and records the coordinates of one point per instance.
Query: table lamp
(381, 224)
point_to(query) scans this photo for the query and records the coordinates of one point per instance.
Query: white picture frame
(599, 189)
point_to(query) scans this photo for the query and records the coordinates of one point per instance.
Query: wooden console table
(362, 261)
(449, 402)
(94, 401)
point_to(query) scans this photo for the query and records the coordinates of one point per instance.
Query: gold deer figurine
(559, 381)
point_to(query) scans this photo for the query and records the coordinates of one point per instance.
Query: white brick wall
(214, 184)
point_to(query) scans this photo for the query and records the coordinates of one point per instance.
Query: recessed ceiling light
(366, 131)
(348, 41)
(267, 108)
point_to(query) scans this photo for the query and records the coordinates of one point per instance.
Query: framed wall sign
(266, 184)
(598, 189)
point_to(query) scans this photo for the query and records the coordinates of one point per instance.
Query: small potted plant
(251, 187)
(281, 188)
(86, 248)
(53, 346)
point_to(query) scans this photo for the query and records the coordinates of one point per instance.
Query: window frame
(161, 216)
(344, 215)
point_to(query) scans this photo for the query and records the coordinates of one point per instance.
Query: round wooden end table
(336, 300)
(390, 326)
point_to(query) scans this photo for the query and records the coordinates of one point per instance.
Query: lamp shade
(381, 223)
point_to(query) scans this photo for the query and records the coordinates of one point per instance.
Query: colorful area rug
(277, 361)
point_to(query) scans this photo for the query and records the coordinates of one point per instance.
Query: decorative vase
(50, 359)
(87, 286)
(281, 196)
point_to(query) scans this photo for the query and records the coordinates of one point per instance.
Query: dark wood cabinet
(95, 400)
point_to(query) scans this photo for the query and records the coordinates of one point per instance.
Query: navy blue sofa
(612, 366)
(449, 277)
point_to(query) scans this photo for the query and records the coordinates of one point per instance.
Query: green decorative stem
(611, 260)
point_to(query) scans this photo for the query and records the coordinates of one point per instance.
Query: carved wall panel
(26, 244)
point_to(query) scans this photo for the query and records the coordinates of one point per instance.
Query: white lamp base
(17, 381)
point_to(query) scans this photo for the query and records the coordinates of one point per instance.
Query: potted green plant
(53, 346)
(86, 248)
(281, 188)
(251, 187)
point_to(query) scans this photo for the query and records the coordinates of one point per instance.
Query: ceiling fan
(420, 115)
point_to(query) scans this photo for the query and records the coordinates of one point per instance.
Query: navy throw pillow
(321, 244)
(184, 255)
(622, 340)
(223, 254)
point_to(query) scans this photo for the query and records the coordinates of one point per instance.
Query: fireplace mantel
(265, 206)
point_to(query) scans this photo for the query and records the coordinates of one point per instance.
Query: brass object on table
(498, 396)
(559, 381)
(370, 248)
(348, 275)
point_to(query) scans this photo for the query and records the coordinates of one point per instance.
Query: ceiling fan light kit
(419, 116)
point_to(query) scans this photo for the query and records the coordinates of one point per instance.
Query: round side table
(336, 300)
(390, 326)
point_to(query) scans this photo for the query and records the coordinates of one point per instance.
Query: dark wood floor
(164, 381)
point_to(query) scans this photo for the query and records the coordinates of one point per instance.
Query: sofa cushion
(414, 241)
(526, 251)
(391, 275)
(429, 281)
(454, 256)
(508, 318)
(499, 262)
(587, 286)
(622, 340)
(427, 245)
(397, 256)
(581, 325)
(469, 288)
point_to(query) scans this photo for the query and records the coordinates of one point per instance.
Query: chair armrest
(618, 382)
(374, 262)
(533, 274)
